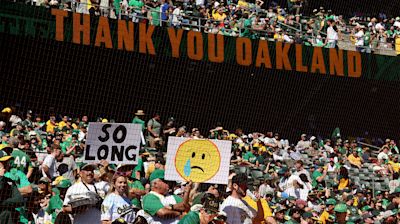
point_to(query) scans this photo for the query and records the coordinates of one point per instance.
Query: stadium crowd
(43, 178)
(258, 20)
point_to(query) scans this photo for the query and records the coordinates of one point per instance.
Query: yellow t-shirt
(343, 183)
(397, 45)
(50, 127)
(324, 216)
(61, 125)
(264, 203)
(395, 166)
(219, 17)
(354, 160)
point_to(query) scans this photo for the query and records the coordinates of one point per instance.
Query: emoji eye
(193, 154)
(203, 156)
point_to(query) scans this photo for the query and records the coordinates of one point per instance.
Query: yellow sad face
(197, 160)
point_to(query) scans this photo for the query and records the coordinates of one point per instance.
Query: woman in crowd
(343, 178)
(117, 204)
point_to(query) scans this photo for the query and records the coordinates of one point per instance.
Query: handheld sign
(198, 160)
(118, 143)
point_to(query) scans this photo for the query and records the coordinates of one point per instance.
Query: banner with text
(118, 143)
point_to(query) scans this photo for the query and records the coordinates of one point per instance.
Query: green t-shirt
(190, 218)
(250, 157)
(138, 5)
(21, 160)
(21, 181)
(136, 185)
(137, 120)
(314, 177)
(54, 207)
(151, 203)
(155, 14)
(12, 200)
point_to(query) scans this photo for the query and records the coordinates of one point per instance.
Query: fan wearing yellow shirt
(51, 124)
(63, 123)
(394, 164)
(355, 159)
(219, 14)
(330, 203)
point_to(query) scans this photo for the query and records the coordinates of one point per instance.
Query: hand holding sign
(114, 142)
(198, 160)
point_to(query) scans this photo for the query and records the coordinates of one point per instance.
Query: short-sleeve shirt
(114, 206)
(21, 160)
(92, 215)
(152, 202)
(155, 126)
(315, 176)
(250, 157)
(50, 162)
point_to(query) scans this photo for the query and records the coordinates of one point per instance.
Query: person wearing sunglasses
(117, 204)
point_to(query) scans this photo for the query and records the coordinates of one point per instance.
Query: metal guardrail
(189, 22)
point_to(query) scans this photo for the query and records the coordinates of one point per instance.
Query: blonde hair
(112, 188)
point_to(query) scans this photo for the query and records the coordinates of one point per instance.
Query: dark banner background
(43, 75)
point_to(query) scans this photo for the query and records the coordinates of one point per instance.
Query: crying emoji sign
(197, 160)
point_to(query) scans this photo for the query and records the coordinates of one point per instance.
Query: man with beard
(280, 215)
(237, 210)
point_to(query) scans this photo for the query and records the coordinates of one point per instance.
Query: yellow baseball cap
(4, 156)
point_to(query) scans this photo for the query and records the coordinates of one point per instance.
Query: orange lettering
(175, 40)
(336, 62)
(79, 28)
(60, 15)
(145, 41)
(282, 59)
(263, 55)
(354, 64)
(318, 61)
(103, 33)
(125, 36)
(299, 59)
(241, 57)
(195, 52)
(218, 54)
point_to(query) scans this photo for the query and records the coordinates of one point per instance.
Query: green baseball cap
(378, 193)
(340, 208)
(66, 183)
(366, 208)
(330, 201)
(283, 170)
(157, 174)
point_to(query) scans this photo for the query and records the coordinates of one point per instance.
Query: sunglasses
(124, 174)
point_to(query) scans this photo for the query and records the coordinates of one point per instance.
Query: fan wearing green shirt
(207, 212)
(161, 207)
(21, 160)
(318, 176)
(56, 201)
(138, 119)
(10, 198)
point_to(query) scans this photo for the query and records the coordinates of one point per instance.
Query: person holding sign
(117, 204)
(159, 207)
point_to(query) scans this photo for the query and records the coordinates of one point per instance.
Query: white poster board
(198, 160)
(118, 143)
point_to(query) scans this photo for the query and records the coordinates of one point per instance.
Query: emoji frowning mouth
(197, 167)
